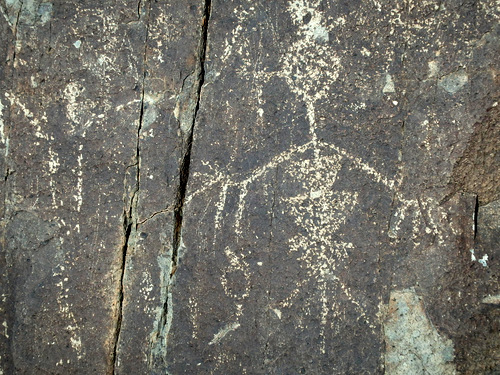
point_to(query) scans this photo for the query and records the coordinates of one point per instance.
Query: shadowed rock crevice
(130, 216)
(188, 103)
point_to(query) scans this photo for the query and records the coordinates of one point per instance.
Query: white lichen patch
(413, 345)
(388, 85)
(482, 261)
(150, 109)
(159, 334)
(472, 255)
(433, 68)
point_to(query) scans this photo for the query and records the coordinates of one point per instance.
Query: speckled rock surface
(249, 187)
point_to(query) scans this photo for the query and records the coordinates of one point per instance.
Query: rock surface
(249, 187)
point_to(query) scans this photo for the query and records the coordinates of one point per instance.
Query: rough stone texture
(249, 187)
(477, 342)
(74, 103)
(413, 344)
(477, 171)
(7, 311)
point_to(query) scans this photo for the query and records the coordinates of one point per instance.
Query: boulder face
(249, 187)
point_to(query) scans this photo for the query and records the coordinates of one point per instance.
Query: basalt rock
(249, 187)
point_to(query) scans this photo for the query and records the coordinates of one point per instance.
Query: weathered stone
(74, 103)
(170, 70)
(413, 346)
(7, 311)
(477, 170)
(254, 187)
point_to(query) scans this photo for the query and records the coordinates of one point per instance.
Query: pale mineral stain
(491, 300)
(316, 194)
(472, 255)
(413, 344)
(150, 110)
(453, 82)
(45, 12)
(483, 261)
(433, 68)
(223, 332)
(277, 312)
(389, 85)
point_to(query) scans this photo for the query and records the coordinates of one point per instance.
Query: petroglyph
(245, 199)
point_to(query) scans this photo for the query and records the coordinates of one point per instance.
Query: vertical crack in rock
(474, 217)
(186, 110)
(139, 7)
(15, 25)
(130, 217)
